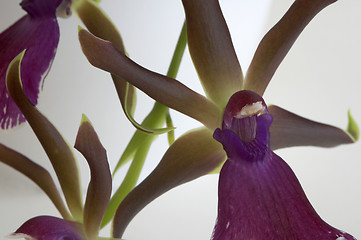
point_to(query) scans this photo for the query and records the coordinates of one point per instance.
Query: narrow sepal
(189, 157)
(212, 50)
(40, 36)
(39, 175)
(99, 24)
(49, 228)
(100, 185)
(58, 151)
(104, 55)
(289, 129)
(278, 41)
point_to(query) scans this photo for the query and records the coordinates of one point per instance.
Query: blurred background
(319, 79)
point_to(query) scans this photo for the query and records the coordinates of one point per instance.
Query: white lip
(20, 235)
(254, 109)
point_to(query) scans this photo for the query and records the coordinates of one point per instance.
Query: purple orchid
(79, 221)
(38, 33)
(49, 228)
(259, 196)
(196, 153)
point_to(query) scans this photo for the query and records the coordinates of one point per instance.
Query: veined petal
(37, 174)
(189, 157)
(289, 129)
(100, 185)
(49, 228)
(40, 36)
(57, 149)
(278, 41)
(168, 91)
(212, 50)
(261, 198)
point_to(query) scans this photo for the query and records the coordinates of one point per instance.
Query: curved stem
(140, 143)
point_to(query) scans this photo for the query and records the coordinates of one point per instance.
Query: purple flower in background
(47, 227)
(38, 33)
(259, 196)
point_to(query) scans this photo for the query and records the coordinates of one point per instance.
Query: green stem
(173, 71)
(155, 119)
(140, 143)
(178, 53)
(129, 181)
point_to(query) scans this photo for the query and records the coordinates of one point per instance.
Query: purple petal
(261, 198)
(259, 195)
(39, 34)
(49, 228)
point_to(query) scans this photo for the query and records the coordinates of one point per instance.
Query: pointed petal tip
(12, 115)
(80, 28)
(352, 127)
(84, 119)
(13, 69)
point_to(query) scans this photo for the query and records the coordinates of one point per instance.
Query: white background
(319, 79)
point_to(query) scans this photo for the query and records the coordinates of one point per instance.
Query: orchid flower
(79, 221)
(196, 153)
(259, 196)
(38, 32)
